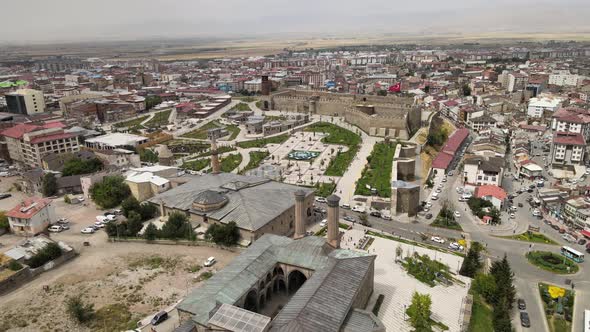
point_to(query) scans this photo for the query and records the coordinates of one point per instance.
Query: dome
(209, 200)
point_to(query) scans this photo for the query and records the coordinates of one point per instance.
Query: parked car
(561, 231)
(159, 317)
(512, 216)
(349, 218)
(457, 214)
(385, 217)
(210, 261)
(64, 226)
(375, 214)
(88, 230)
(99, 224)
(321, 200)
(324, 222)
(524, 319)
(555, 227)
(345, 206)
(437, 239)
(520, 205)
(521, 304)
(582, 242)
(428, 216)
(358, 208)
(455, 246)
(55, 228)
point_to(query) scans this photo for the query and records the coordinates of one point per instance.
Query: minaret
(215, 166)
(333, 220)
(300, 216)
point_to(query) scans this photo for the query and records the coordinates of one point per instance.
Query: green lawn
(415, 243)
(159, 119)
(446, 223)
(259, 143)
(552, 262)
(131, 123)
(481, 316)
(256, 157)
(377, 173)
(324, 189)
(197, 165)
(340, 136)
(531, 237)
(220, 150)
(201, 133)
(230, 162)
(186, 146)
(242, 107)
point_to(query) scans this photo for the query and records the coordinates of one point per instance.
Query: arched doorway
(281, 286)
(268, 293)
(251, 304)
(296, 280)
(262, 301)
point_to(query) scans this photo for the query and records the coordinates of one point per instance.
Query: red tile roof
(490, 190)
(568, 138)
(455, 141)
(442, 161)
(28, 208)
(19, 130)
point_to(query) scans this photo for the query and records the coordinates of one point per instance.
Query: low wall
(200, 243)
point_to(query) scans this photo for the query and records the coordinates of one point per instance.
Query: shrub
(110, 192)
(227, 234)
(14, 265)
(50, 252)
(79, 310)
(177, 227)
(151, 232)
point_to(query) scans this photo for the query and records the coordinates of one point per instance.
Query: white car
(88, 230)
(455, 246)
(345, 206)
(81, 198)
(457, 214)
(512, 216)
(434, 198)
(55, 229)
(359, 208)
(99, 224)
(438, 190)
(428, 204)
(324, 222)
(536, 212)
(210, 261)
(437, 239)
(321, 200)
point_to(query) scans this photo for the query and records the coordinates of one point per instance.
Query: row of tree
(135, 214)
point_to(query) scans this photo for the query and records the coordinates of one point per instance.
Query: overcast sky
(75, 20)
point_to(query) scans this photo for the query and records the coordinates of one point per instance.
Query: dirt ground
(124, 281)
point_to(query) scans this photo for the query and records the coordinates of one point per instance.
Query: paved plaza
(392, 281)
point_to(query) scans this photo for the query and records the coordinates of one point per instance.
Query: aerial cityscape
(178, 166)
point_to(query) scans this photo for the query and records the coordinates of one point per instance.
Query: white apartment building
(480, 170)
(564, 77)
(538, 105)
(572, 120)
(31, 217)
(567, 148)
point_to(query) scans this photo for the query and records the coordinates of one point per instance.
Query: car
(512, 216)
(118, 212)
(159, 318)
(426, 209)
(345, 206)
(536, 212)
(569, 238)
(455, 246)
(99, 224)
(524, 319)
(582, 242)
(444, 180)
(428, 204)
(457, 214)
(438, 190)
(385, 217)
(375, 214)
(64, 226)
(210, 261)
(437, 239)
(358, 208)
(513, 208)
(555, 227)
(520, 205)
(428, 216)
(450, 173)
(5, 195)
(321, 200)
(324, 222)
(349, 218)
(561, 231)
(55, 228)
(88, 230)
(547, 222)
(521, 304)
(80, 198)
(434, 198)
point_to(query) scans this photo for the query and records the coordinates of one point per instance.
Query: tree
(77, 166)
(471, 263)
(419, 312)
(485, 284)
(151, 232)
(49, 185)
(110, 192)
(129, 204)
(79, 310)
(466, 90)
(504, 278)
(151, 101)
(148, 156)
(67, 199)
(501, 319)
(134, 224)
(227, 234)
(111, 229)
(177, 227)
(147, 211)
(4, 224)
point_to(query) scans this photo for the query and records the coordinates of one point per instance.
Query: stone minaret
(300, 216)
(333, 220)
(215, 166)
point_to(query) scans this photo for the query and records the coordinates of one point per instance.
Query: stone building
(376, 115)
(283, 284)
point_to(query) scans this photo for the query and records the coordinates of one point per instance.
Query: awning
(586, 233)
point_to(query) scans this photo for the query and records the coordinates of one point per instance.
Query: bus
(573, 254)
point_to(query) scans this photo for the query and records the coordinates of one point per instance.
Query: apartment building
(25, 101)
(538, 106)
(567, 148)
(563, 78)
(31, 217)
(572, 120)
(27, 144)
(480, 170)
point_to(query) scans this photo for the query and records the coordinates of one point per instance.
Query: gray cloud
(63, 20)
